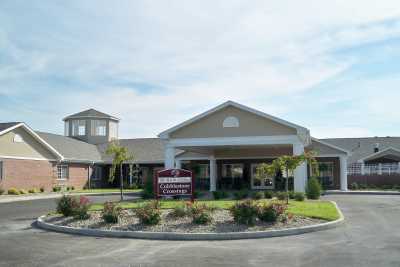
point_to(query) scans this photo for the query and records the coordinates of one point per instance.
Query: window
(99, 128)
(62, 172)
(326, 174)
(232, 171)
(97, 173)
(113, 131)
(66, 128)
(18, 139)
(78, 127)
(230, 122)
(1, 170)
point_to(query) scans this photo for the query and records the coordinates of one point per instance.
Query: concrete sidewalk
(38, 196)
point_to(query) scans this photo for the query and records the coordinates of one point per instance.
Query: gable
(238, 122)
(322, 148)
(29, 148)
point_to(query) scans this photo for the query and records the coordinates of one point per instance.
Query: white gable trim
(377, 154)
(165, 134)
(330, 145)
(35, 136)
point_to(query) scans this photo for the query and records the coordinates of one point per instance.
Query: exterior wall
(257, 152)
(30, 148)
(322, 149)
(249, 125)
(377, 180)
(27, 174)
(88, 138)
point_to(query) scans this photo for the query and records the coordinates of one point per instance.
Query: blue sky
(332, 67)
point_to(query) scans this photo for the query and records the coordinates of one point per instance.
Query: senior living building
(222, 146)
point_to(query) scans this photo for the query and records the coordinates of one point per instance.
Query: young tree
(120, 155)
(287, 164)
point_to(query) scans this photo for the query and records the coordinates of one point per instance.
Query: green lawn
(315, 209)
(106, 190)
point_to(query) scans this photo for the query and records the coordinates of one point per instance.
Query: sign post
(174, 182)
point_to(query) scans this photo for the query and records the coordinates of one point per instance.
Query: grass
(106, 190)
(315, 209)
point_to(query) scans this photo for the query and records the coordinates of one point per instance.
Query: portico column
(343, 173)
(300, 173)
(178, 164)
(169, 159)
(213, 174)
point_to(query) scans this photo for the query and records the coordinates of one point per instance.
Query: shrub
(270, 212)
(313, 190)
(111, 212)
(268, 194)
(33, 190)
(72, 188)
(148, 191)
(81, 210)
(299, 196)
(257, 195)
(198, 194)
(56, 188)
(149, 214)
(291, 194)
(179, 211)
(200, 212)
(238, 195)
(220, 194)
(13, 191)
(281, 195)
(23, 191)
(67, 188)
(244, 212)
(1, 190)
(41, 189)
(354, 186)
(66, 205)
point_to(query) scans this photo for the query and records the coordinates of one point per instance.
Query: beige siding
(250, 125)
(30, 148)
(323, 149)
(254, 152)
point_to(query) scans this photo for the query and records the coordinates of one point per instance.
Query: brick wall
(26, 174)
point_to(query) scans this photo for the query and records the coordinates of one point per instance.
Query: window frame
(59, 173)
(77, 126)
(96, 126)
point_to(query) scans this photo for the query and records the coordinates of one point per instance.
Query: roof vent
(376, 148)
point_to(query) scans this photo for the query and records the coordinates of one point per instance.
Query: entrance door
(266, 182)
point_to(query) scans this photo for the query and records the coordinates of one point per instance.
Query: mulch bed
(222, 223)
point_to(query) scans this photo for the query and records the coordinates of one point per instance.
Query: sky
(330, 66)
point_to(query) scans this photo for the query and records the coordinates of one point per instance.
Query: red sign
(174, 182)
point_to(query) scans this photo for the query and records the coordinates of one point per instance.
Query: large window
(99, 128)
(62, 172)
(97, 173)
(232, 171)
(113, 130)
(78, 127)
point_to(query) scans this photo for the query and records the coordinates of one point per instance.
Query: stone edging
(191, 236)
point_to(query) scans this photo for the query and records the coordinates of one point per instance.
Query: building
(223, 146)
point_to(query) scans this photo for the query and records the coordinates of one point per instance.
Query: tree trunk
(287, 186)
(121, 181)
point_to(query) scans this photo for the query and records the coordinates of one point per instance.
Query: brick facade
(27, 174)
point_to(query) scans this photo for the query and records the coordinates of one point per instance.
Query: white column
(213, 174)
(362, 168)
(178, 164)
(130, 174)
(343, 173)
(300, 173)
(380, 168)
(169, 159)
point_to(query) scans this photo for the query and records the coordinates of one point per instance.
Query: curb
(377, 193)
(40, 222)
(52, 196)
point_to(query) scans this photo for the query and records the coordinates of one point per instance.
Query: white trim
(26, 158)
(241, 140)
(329, 156)
(34, 135)
(378, 153)
(330, 145)
(91, 117)
(165, 134)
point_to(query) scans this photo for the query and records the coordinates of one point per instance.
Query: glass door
(265, 182)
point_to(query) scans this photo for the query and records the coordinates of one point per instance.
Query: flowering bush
(200, 212)
(270, 212)
(244, 212)
(180, 211)
(111, 212)
(149, 213)
(66, 205)
(80, 211)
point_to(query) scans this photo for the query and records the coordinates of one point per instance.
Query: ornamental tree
(120, 155)
(286, 165)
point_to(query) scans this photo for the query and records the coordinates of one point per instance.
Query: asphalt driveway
(370, 237)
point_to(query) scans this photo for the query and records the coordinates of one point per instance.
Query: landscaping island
(178, 219)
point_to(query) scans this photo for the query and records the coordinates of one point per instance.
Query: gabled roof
(387, 151)
(13, 125)
(72, 149)
(300, 130)
(330, 145)
(90, 113)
